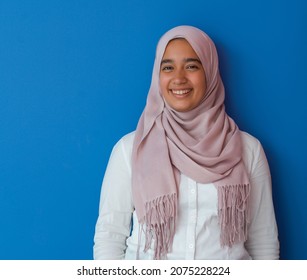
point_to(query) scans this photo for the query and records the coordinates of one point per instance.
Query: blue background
(74, 76)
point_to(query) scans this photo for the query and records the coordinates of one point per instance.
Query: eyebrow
(190, 59)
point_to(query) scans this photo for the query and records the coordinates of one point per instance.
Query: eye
(192, 67)
(167, 68)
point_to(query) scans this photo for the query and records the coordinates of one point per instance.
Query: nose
(179, 77)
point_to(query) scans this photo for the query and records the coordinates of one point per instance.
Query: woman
(187, 184)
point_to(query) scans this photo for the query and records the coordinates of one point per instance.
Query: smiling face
(182, 76)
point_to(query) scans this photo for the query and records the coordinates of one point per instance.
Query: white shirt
(197, 230)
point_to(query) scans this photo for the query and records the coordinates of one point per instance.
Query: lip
(180, 93)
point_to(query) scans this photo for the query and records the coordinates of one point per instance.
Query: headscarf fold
(203, 143)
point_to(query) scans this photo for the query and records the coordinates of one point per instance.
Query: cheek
(200, 83)
(163, 84)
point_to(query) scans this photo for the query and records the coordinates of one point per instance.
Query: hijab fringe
(159, 222)
(234, 213)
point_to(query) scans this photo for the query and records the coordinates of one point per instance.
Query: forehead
(179, 47)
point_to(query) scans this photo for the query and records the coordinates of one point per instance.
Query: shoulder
(253, 153)
(120, 157)
(128, 139)
(125, 145)
(250, 143)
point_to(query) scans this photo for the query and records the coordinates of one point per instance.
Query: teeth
(180, 92)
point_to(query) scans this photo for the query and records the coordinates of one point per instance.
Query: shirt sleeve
(262, 242)
(115, 210)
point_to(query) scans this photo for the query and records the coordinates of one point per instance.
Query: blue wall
(74, 77)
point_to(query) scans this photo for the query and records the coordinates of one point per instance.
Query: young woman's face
(182, 76)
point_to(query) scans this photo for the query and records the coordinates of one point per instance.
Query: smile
(180, 92)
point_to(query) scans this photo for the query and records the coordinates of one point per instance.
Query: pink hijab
(204, 144)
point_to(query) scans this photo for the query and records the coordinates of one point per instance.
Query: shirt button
(191, 246)
(192, 191)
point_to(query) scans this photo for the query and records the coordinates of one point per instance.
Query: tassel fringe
(159, 220)
(234, 213)
(160, 224)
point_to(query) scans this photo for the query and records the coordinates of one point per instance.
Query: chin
(181, 109)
